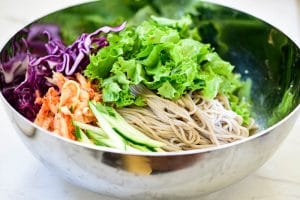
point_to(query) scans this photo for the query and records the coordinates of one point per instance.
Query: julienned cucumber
(116, 140)
(137, 147)
(120, 126)
(98, 139)
(87, 127)
(80, 135)
(101, 141)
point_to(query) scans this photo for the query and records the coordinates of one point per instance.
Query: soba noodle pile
(188, 123)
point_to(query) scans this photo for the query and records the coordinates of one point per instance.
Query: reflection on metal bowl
(259, 51)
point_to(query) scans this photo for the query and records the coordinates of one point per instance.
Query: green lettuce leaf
(162, 54)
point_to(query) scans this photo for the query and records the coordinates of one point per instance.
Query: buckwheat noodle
(188, 123)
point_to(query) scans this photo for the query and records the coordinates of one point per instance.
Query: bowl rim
(152, 154)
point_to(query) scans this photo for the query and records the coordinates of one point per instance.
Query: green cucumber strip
(131, 149)
(80, 135)
(139, 147)
(116, 139)
(98, 139)
(86, 127)
(127, 131)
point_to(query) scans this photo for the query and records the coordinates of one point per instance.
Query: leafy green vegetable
(164, 55)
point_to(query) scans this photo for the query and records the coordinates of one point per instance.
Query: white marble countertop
(22, 177)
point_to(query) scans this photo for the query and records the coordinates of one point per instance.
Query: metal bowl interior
(258, 50)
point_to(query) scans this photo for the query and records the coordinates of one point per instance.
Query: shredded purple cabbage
(27, 62)
(38, 36)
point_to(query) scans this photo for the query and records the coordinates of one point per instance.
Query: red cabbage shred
(34, 53)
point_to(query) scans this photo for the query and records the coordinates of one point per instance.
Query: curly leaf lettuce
(164, 55)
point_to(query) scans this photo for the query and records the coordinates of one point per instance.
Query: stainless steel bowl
(259, 51)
